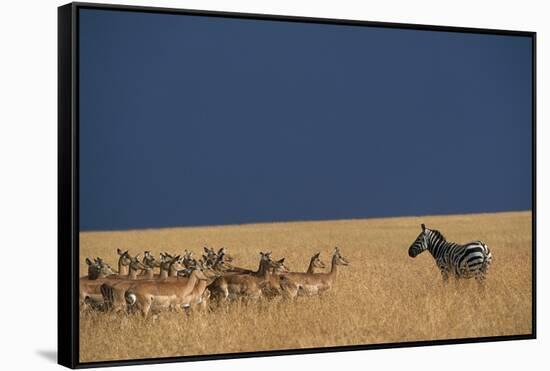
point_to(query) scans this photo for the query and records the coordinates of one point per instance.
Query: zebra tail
(488, 259)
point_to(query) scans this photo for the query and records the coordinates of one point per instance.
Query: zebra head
(420, 244)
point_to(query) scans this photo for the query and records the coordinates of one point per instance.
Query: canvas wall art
(234, 185)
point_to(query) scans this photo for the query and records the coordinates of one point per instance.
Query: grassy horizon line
(302, 221)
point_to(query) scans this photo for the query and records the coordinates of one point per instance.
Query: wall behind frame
(28, 159)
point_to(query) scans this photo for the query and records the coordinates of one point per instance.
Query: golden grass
(383, 297)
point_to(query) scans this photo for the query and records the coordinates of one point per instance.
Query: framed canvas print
(236, 185)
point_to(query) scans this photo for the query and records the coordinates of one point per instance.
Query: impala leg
(83, 305)
(290, 290)
(204, 305)
(119, 301)
(144, 306)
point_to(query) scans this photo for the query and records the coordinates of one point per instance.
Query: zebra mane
(438, 234)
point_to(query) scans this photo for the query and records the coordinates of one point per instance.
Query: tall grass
(383, 296)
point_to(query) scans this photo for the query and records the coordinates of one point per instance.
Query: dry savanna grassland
(383, 296)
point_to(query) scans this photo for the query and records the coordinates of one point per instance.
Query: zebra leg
(485, 266)
(445, 275)
(480, 279)
(456, 280)
(480, 276)
(444, 270)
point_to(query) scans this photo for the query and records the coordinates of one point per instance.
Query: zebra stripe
(461, 261)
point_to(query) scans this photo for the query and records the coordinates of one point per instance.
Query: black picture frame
(68, 182)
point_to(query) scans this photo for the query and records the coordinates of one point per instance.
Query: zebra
(461, 261)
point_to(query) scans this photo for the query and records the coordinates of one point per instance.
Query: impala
(123, 262)
(310, 283)
(114, 293)
(89, 286)
(231, 286)
(91, 291)
(174, 294)
(200, 293)
(273, 285)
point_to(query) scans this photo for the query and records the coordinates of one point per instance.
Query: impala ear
(119, 251)
(423, 227)
(88, 261)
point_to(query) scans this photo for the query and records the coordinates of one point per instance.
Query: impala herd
(183, 282)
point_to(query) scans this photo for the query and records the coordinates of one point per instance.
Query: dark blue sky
(188, 120)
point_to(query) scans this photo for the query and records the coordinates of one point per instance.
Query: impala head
(206, 271)
(338, 259)
(190, 263)
(223, 252)
(135, 264)
(106, 269)
(271, 265)
(265, 256)
(124, 258)
(149, 260)
(266, 263)
(177, 263)
(421, 242)
(209, 254)
(221, 264)
(165, 261)
(188, 260)
(279, 266)
(317, 262)
(93, 268)
(98, 268)
(165, 256)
